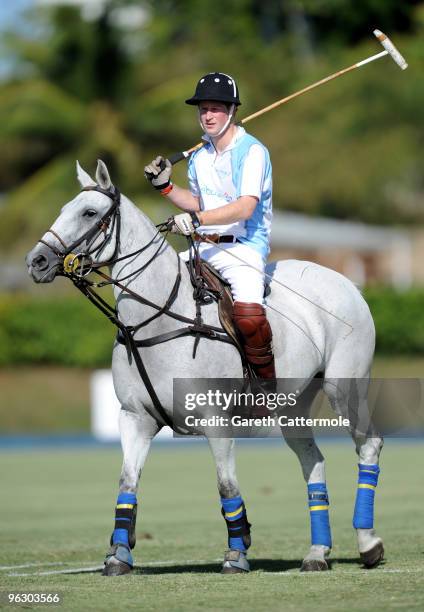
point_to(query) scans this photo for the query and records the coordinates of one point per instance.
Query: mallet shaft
(299, 93)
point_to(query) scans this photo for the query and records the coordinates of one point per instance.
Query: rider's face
(213, 116)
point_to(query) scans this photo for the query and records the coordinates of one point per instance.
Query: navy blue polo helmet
(216, 86)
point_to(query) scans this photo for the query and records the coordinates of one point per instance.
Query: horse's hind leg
(349, 398)
(136, 435)
(370, 546)
(232, 507)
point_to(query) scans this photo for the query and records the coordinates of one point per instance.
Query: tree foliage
(113, 87)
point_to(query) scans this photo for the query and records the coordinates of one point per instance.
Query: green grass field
(57, 514)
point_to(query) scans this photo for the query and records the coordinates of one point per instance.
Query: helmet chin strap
(226, 124)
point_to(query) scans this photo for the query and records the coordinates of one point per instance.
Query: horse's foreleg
(232, 507)
(370, 546)
(313, 468)
(136, 435)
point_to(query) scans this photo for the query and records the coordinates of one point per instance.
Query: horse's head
(86, 231)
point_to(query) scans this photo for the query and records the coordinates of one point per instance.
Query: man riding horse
(230, 197)
(331, 334)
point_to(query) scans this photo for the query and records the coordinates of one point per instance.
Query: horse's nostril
(40, 262)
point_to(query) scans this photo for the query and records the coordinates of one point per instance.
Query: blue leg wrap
(125, 515)
(318, 510)
(234, 513)
(363, 516)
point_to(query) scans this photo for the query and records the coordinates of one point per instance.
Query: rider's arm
(239, 210)
(183, 199)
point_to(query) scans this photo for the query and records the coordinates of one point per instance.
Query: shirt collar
(239, 134)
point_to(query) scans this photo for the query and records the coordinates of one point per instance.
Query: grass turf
(58, 509)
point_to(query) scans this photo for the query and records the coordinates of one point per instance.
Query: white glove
(160, 178)
(184, 223)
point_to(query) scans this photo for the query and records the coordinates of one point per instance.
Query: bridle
(76, 268)
(110, 220)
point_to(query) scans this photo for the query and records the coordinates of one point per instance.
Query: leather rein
(108, 225)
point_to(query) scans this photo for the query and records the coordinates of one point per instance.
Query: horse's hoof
(371, 558)
(114, 567)
(118, 561)
(314, 565)
(235, 562)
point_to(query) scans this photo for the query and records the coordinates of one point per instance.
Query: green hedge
(66, 331)
(399, 320)
(70, 331)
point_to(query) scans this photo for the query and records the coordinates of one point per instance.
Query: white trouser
(247, 285)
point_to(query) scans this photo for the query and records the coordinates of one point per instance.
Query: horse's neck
(155, 283)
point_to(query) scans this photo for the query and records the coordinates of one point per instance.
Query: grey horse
(321, 325)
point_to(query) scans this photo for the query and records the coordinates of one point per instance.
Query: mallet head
(391, 49)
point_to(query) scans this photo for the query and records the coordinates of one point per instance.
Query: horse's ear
(84, 178)
(102, 175)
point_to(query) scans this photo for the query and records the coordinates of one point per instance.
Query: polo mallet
(389, 49)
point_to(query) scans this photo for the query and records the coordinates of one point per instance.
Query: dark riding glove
(184, 223)
(158, 172)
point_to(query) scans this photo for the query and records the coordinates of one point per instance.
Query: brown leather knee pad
(250, 320)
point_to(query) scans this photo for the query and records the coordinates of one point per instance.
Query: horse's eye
(90, 213)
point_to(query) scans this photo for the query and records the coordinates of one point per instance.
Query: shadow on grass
(266, 565)
(256, 565)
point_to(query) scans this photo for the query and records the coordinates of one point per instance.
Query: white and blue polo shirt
(242, 169)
